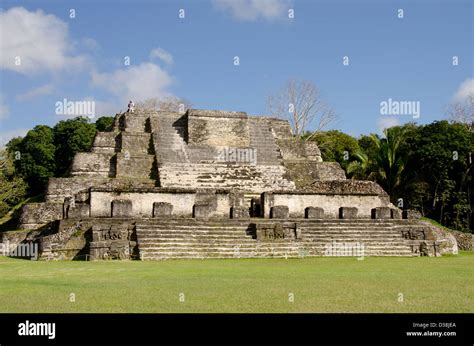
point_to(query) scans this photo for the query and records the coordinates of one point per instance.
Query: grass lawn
(341, 284)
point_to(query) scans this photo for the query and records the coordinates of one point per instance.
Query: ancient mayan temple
(215, 184)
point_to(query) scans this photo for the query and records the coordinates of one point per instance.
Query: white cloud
(161, 54)
(90, 43)
(7, 135)
(464, 90)
(136, 83)
(42, 90)
(40, 40)
(251, 10)
(385, 122)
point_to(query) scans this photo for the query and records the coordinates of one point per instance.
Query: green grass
(341, 284)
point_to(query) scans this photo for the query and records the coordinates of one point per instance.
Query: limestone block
(411, 214)
(218, 128)
(91, 164)
(279, 212)
(106, 250)
(122, 208)
(135, 166)
(275, 232)
(105, 142)
(348, 213)
(314, 213)
(239, 213)
(135, 142)
(381, 213)
(396, 213)
(312, 151)
(79, 210)
(329, 171)
(162, 209)
(134, 122)
(37, 214)
(202, 211)
(281, 128)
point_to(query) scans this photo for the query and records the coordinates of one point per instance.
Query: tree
(104, 124)
(389, 160)
(170, 103)
(441, 157)
(462, 111)
(12, 187)
(71, 136)
(359, 168)
(300, 102)
(34, 157)
(335, 146)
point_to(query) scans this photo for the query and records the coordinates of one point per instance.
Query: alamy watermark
(75, 108)
(19, 250)
(238, 155)
(392, 107)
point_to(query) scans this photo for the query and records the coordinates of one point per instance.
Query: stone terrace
(216, 184)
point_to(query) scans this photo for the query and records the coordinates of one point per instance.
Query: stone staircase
(189, 238)
(263, 140)
(378, 237)
(206, 240)
(168, 136)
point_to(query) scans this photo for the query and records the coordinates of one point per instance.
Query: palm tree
(389, 160)
(359, 168)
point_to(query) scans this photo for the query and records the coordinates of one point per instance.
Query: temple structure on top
(215, 184)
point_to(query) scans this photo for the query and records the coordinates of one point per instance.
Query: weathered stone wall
(136, 166)
(106, 142)
(307, 173)
(59, 189)
(297, 203)
(34, 215)
(94, 163)
(249, 178)
(363, 187)
(465, 240)
(136, 143)
(281, 128)
(292, 149)
(135, 122)
(142, 202)
(218, 128)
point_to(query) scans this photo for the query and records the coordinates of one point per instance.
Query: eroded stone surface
(348, 213)
(195, 176)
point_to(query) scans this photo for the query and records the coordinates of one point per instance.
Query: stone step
(218, 232)
(262, 254)
(197, 228)
(206, 246)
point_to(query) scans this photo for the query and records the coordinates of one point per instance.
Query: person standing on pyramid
(131, 107)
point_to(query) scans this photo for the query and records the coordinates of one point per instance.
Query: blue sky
(82, 58)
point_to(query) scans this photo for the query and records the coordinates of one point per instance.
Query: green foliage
(439, 157)
(71, 136)
(12, 187)
(336, 146)
(104, 124)
(389, 160)
(34, 156)
(359, 168)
